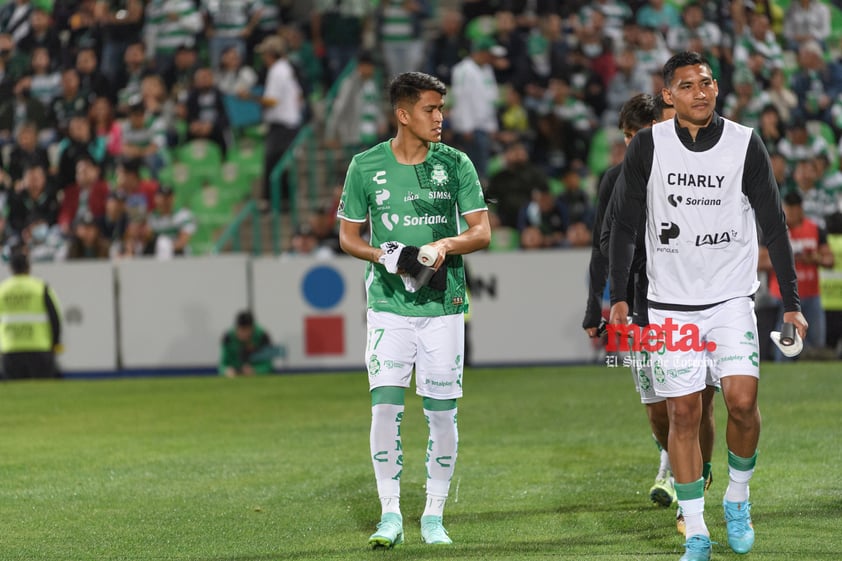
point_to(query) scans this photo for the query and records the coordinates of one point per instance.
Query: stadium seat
(233, 183)
(249, 156)
(184, 180)
(201, 153)
(600, 152)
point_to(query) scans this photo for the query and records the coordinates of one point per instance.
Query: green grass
(554, 463)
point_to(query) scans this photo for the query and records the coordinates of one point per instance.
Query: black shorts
(19, 366)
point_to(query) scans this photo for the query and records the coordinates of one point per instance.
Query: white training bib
(701, 238)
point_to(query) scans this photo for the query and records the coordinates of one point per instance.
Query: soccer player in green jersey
(412, 190)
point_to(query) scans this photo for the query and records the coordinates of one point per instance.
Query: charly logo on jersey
(695, 180)
(676, 200)
(439, 175)
(669, 231)
(716, 240)
(379, 177)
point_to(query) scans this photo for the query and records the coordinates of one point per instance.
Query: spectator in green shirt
(245, 349)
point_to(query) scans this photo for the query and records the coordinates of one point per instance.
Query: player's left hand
(800, 322)
(619, 313)
(391, 254)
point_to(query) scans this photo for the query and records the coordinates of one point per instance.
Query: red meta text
(652, 338)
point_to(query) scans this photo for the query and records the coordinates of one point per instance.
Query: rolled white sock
(694, 517)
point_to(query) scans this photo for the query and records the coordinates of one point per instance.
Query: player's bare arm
(475, 238)
(352, 242)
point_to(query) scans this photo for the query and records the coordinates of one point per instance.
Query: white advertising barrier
(315, 308)
(85, 291)
(173, 314)
(527, 307)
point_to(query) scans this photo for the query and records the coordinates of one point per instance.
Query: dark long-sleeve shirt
(758, 185)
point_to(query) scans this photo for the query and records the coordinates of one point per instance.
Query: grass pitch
(554, 463)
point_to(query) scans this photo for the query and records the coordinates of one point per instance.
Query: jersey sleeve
(353, 204)
(630, 195)
(761, 189)
(470, 196)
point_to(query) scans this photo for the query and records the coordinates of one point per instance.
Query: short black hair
(660, 105)
(679, 60)
(638, 112)
(245, 319)
(793, 198)
(131, 165)
(19, 261)
(409, 86)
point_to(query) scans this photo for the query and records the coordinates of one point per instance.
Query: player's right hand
(619, 315)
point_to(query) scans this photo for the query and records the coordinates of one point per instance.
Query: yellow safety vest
(830, 280)
(24, 318)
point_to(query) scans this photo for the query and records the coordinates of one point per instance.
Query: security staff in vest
(30, 323)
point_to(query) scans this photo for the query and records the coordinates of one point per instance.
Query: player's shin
(386, 446)
(441, 452)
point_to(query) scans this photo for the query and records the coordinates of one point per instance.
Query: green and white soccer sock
(740, 471)
(386, 447)
(664, 466)
(442, 448)
(691, 500)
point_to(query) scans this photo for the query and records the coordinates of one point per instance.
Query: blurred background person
(30, 323)
(241, 348)
(86, 240)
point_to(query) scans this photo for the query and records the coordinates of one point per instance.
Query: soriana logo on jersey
(670, 336)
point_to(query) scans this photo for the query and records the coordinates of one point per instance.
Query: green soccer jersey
(414, 205)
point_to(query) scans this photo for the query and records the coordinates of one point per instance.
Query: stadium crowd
(97, 95)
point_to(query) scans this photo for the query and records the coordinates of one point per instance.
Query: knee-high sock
(691, 499)
(441, 457)
(387, 453)
(740, 471)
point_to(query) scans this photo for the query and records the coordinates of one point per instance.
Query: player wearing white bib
(640, 112)
(412, 191)
(704, 184)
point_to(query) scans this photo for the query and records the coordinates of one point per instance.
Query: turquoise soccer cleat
(697, 548)
(389, 531)
(738, 522)
(433, 532)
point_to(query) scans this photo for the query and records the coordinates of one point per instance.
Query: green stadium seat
(600, 152)
(184, 180)
(200, 152)
(233, 184)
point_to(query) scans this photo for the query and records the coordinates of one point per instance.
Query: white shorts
(435, 346)
(640, 363)
(731, 326)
